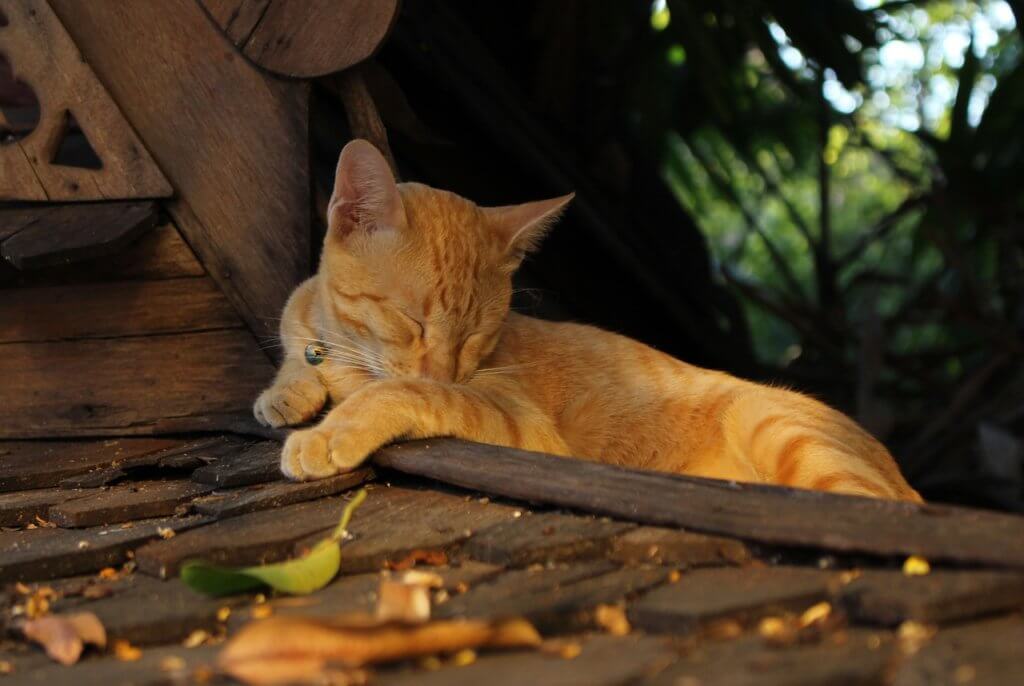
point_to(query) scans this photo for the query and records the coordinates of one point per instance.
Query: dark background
(821, 194)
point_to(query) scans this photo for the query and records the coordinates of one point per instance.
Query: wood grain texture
(769, 514)
(544, 537)
(41, 554)
(233, 502)
(24, 507)
(990, 650)
(890, 597)
(49, 235)
(254, 463)
(743, 594)
(43, 464)
(304, 39)
(127, 502)
(232, 141)
(43, 55)
(677, 548)
(108, 310)
(136, 385)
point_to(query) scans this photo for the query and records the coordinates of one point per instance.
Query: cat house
(155, 203)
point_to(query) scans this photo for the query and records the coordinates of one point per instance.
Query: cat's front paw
(289, 403)
(317, 453)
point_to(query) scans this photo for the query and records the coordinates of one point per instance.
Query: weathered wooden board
(23, 507)
(274, 495)
(126, 502)
(42, 464)
(232, 140)
(183, 457)
(306, 39)
(544, 537)
(729, 592)
(256, 463)
(978, 653)
(768, 514)
(852, 657)
(43, 55)
(603, 661)
(151, 384)
(160, 253)
(61, 234)
(106, 310)
(253, 538)
(40, 554)
(890, 597)
(677, 548)
(151, 669)
(554, 598)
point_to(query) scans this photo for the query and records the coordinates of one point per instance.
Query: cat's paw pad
(290, 403)
(306, 455)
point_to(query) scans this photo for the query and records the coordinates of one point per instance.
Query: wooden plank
(39, 464)
(554, 599)
(41, 554)
(274, 495)
(978, 653)
(42, 54)
(105, 310)
(160, 253)
(61, 234)
(890, 597)
(743, 594)
(677, 548)
(769, 514)
(138, 385)
(151, 669)
(127, 502)
(544, 537)
(851, 657)
(185, 456)
(23, 507)
(231, 140)
(256, 463)
(308, 39)
(603, 661)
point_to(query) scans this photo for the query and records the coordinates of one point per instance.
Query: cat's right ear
(365, 197)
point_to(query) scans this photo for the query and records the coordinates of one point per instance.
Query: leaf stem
(339, 532)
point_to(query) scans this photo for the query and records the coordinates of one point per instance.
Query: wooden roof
(695, 564)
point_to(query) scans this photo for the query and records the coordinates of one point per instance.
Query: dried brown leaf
(64, 636)
(292, 649)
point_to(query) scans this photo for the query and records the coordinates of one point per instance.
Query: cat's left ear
(522, 227)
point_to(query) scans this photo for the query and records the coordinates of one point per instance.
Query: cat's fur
(411, 303)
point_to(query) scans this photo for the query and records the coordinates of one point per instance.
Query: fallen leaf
(815, 614)
(64, 636)
(296, 649)
(299, 576)
(612, 618)
(915, 565)
(401, 602)
(126, 652)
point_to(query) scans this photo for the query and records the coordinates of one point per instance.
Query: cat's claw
(291, 403)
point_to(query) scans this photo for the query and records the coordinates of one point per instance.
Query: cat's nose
(437, 367)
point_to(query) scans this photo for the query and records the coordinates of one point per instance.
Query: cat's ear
(522, 227)
(365, 197)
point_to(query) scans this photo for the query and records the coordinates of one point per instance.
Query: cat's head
(416, 281)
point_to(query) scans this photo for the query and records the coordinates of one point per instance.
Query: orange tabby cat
(407, 328)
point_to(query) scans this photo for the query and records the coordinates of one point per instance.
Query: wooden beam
(232, 140)
(768, 514)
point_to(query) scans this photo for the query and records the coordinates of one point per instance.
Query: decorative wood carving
(72, 102)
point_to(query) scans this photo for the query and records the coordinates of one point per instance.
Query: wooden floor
(720, 583)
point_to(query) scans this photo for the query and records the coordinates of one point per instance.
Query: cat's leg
(296, 396)
(393, 409)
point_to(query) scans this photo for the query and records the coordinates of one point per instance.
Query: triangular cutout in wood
(74, 148)
(42, 54)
